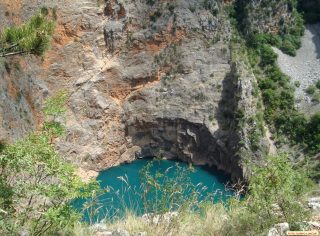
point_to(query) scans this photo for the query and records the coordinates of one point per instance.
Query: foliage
(257, 131)
(278, 97)
(211, 222)
(297, 84)
(36, 187)
(278, 94)
(275, 195)
(287, 37)
(155, 16)
(318, 84)
(268, 56)
(287, 124)
(32, 37)
(278, 183)
(53, 109)
(312, 134)
(151, 2)
(311, 90)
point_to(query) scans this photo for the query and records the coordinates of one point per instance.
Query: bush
(311, 90)
(318, 84)
(37, 185)
(316, 98)
(288, 48)
(313, 133)
(151, 2)
(275, 191)
(297, 84)
(268, 56)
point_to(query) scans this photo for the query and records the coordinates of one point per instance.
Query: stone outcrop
(144, 78)
(20, 98)
(314, 203)
(267, 16)
(279, 230)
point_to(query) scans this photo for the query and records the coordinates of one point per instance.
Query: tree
(313, 133)
(275, 195)
(37, 186)
(32, 37)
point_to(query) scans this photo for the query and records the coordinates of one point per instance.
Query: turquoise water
(125, 191)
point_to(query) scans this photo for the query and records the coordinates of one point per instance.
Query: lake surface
(139, 186)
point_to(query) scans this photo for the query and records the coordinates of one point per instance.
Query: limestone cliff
(268, 16)
(145, 78)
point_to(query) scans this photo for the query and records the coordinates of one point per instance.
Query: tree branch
(12, 54)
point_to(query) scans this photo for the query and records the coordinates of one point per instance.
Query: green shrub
(211, 5)
(288, 48)
(311, 90)
(274, 193)
(297, 84)
(318, 84)
(37, 185)
(268, 56)
(313, 133)
(171, 8)
(277, 92)
(316, 98)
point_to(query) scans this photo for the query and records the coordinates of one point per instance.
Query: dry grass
(216, 220)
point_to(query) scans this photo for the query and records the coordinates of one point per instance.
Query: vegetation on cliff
(283, 30)
(37, 184)
(287, 124)
(32, 37)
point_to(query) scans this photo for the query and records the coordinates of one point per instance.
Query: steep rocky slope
(267, 16)
(145, 78)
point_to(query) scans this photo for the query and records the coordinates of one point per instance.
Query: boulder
(279, 229)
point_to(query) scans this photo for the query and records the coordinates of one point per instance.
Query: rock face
(144, 77)
(273, 16)
(279, 230)
(314, 203)
(20, 97)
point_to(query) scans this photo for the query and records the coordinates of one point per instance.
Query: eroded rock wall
(267, 16)
(144, 78)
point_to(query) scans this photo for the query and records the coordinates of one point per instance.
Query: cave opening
(191, 143)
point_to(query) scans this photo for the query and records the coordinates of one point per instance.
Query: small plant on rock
(311, 90)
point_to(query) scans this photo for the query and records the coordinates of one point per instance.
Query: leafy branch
(32, 37)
